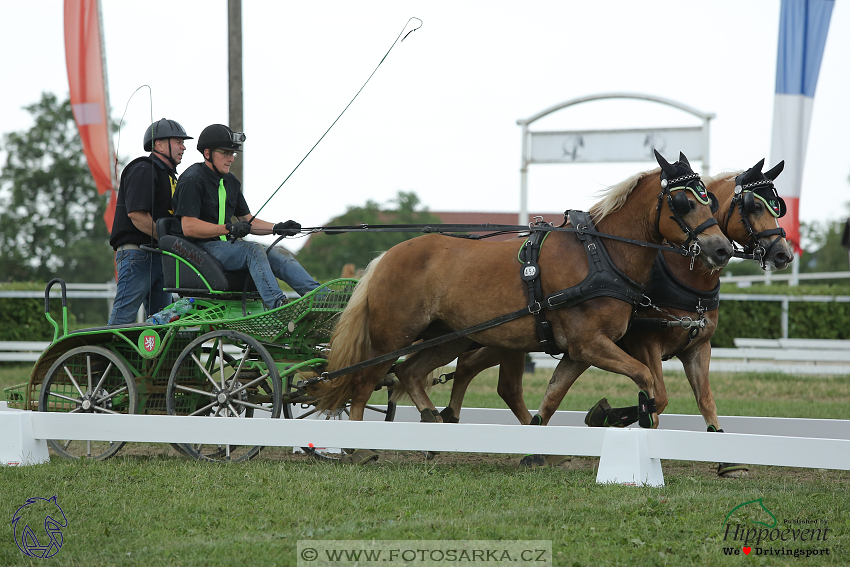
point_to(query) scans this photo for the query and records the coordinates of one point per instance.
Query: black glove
(238, 229)
(288, 228)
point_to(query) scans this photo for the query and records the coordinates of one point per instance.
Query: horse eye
(693, 205)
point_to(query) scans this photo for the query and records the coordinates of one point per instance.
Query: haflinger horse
(748, 214)
(435, 284)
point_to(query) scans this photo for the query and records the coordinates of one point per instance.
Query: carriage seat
(179, 276)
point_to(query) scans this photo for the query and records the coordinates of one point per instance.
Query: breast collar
(666, 290)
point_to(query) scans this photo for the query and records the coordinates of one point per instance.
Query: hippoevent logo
(751, 528)
(46, 540)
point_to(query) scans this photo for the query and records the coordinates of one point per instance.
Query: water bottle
(168, 315)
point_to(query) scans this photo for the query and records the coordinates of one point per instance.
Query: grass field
(149, 506)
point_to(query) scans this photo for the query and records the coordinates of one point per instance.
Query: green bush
(763, 319)
(23, 320)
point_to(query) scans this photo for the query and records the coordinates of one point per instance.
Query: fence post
(785, 304)
(625, 459)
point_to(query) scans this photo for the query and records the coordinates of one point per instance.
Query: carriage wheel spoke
(102, 378)
(78, 402)
(250, 405)
(204, 409)
(308, 414)
(71, 376)
(88, 373)
(204, 370)
(66, 445)
(193, 390)
(221, 362)
(233, 409)
(249, 384)
(377, 409)
(120, 390)
(98, 408)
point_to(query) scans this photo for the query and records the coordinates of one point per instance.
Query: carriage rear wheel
(224, 374)
(385, 412)
(88, 379)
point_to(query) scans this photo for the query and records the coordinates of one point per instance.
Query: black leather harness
(665, 290)
(603, 278)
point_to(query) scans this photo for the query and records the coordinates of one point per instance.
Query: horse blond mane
(722, 176)
(615, 196)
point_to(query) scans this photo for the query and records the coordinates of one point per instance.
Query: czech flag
(803, 25)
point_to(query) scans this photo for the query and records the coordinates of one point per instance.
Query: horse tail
(350, 344)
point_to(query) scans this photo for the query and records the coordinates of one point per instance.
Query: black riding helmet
(163, 129)
(220, 136)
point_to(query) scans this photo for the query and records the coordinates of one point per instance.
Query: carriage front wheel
(224, 374)
(88, 379)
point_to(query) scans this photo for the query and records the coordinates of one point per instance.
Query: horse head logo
(39, 511)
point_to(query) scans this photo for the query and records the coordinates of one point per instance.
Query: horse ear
(668, 169)
(777, 169)
(683, 159)
(757, 167)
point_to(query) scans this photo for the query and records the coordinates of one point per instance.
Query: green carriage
(227, 357)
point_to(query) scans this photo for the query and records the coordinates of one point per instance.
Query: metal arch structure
(609, 143)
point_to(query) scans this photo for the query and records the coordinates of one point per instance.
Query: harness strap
(417, 347)
(530, 274)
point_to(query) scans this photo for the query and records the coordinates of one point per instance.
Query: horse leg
(469, 365)
(696, 369)
(413, 373)
(565, 375)
(604, 354)
(511, 367)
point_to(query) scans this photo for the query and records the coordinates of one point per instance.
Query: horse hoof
(429, 455)
(429, 415)
(448, 416)
(732, 470)
(359, 457)
(533, 461)
(598, 414)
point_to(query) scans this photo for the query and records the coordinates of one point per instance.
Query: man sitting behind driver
(206, 198)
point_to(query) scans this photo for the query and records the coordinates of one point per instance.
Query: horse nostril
(723, 254)
(781, 259)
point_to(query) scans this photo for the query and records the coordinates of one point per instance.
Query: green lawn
(148, 506)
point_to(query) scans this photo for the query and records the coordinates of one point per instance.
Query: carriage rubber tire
(97, 358)
(258, 353)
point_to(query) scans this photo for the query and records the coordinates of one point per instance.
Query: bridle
(744, 199)
(680, 205)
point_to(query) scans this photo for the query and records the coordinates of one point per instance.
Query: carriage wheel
(224, 374)
(88, 379)
(342, 413)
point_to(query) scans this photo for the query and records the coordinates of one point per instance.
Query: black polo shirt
(147, 184)
(197, 196)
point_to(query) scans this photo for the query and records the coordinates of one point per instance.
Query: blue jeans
(140, 281)
(264, 267)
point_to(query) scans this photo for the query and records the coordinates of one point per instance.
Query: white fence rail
(628, 456)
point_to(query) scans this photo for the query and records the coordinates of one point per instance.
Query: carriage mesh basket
(305, 321)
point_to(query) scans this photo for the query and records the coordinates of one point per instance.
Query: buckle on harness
(537, 310)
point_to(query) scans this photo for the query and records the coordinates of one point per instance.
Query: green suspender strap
(222, 198)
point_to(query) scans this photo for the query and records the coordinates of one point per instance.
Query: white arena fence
(627, 456)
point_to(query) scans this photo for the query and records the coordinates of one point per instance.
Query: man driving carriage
(144, 196)
(208, 196)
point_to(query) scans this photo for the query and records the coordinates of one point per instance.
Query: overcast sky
(439, 116)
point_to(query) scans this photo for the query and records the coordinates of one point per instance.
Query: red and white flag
(86, 62)
(803, 25)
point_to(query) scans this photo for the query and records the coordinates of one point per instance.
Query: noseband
(744, 199)
(680, 206)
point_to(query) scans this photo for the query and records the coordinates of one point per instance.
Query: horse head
(685, 214)
(750, 213)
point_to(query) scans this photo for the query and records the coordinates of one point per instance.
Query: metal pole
(706, 144)
(795, 273)
(785, 318)
(523, 184)
(234, 69)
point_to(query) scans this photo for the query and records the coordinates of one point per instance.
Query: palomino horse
(748, 213)
(435, 284)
